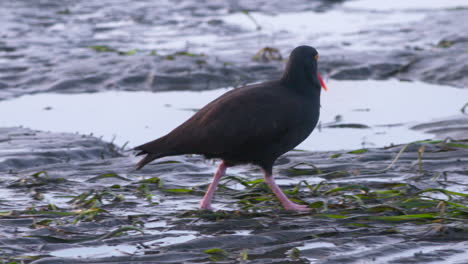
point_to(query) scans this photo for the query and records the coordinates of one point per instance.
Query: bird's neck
(301, 78)
(306, 85)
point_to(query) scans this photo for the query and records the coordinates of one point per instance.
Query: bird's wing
(248, 119)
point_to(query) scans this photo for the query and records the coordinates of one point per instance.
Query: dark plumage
(254, 124)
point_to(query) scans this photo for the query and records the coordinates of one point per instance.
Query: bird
(254, 124)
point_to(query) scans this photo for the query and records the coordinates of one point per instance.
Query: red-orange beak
(322, 83)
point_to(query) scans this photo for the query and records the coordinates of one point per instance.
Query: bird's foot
(205, 205)
(296, 207)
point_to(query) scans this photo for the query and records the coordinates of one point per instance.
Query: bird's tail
(147, 159)
(154, 150)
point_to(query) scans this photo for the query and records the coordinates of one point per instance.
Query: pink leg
(287, 204)
(205, 203)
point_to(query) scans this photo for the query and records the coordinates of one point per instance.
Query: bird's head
(303, 66)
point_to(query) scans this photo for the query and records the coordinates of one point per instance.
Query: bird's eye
(316, 57)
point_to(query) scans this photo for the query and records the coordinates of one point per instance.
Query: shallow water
(388, 108)
(407, 5)
(95, 252)
(330, 28)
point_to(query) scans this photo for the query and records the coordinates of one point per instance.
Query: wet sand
(92, 207)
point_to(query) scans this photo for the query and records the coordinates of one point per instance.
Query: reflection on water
(95, 252)
(387, 107)
(316, 245)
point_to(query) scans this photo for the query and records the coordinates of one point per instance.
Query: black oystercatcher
(254, 124)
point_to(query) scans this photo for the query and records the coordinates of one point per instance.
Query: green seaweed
(153, 180)
(104, 48)
(189, 54)
(216, 254)
(144, 191)
(295, 170)
(106, 176)
(445, 44)
(243, 256)
(348, 187)
(178, 190)
(463, 109)
(457, 145)
(358, 151)
(295, 253)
